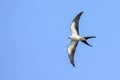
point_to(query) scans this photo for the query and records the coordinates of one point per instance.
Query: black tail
(87, 43)
(89, 37)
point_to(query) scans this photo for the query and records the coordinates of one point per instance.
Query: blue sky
(34, 38)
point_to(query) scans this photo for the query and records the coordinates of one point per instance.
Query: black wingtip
(81, 13)
(73, 64)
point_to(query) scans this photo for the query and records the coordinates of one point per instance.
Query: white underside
(75, 37)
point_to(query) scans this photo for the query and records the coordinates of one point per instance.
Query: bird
(75, 38)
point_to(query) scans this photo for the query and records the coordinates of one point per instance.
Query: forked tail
(88, 38)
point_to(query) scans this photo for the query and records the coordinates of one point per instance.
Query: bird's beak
(68, 37)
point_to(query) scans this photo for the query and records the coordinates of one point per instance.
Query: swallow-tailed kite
(75, 38)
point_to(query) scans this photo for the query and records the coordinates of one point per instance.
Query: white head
(70, 37)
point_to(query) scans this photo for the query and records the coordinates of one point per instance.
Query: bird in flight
(75, 38)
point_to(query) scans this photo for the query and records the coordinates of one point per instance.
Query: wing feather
(71, 50)
(74, 25)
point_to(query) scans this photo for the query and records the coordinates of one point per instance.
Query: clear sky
(34, 38)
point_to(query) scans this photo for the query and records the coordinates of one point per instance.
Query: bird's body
(75, 38)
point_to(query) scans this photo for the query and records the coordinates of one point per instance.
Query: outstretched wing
(71, 51)
(74, 25)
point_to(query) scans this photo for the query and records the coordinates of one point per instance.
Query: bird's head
(69, 37)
